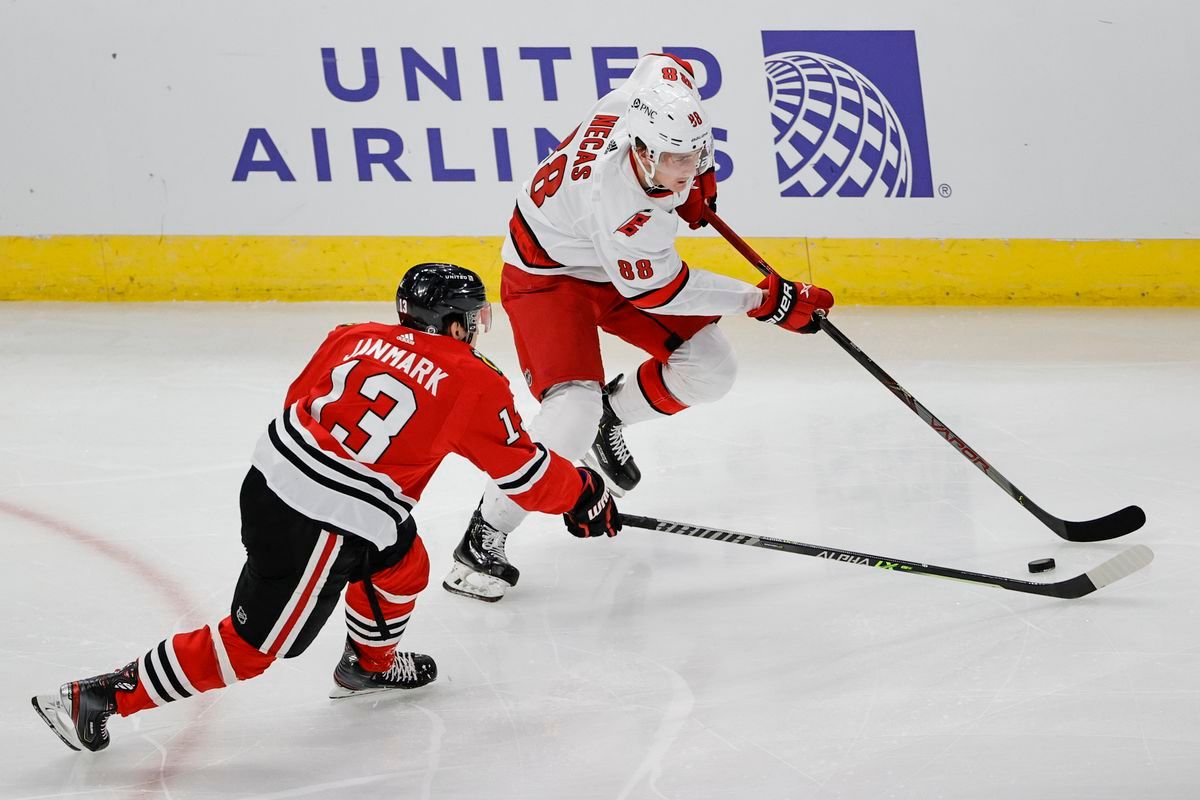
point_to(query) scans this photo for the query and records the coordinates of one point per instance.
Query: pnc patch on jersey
(848, 113)
(634, 224)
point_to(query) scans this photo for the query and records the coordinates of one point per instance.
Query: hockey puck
(1041, 565)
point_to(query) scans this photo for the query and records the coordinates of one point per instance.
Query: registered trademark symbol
(944, 190)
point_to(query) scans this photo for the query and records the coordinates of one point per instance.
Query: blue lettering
(491, 70)
(606, 73)
(414, 63)
(503, 157)
(546, 56)
(272, 163)
(387, 159)
(333, 83)
(712, 69)
(437, 160)
(321, 154)
(545, 141)
(721, 160)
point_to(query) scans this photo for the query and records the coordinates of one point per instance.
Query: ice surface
(650, 665)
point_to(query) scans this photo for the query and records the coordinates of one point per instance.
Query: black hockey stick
(1116, 524)
(1122, 564)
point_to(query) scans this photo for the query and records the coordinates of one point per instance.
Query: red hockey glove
(790, 305)
(704, 193)
(594, 513)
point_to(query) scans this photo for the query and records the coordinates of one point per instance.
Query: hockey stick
(1122, 564)
(1116, 524)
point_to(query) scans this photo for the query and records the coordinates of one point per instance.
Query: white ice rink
(650, 665)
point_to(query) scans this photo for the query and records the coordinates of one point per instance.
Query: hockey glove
(594, 513)
(704, 193)
(790, 305)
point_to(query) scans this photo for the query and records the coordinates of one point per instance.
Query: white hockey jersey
(584, 214)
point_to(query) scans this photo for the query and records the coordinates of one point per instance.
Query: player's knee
(567, 422)
(705, 369)
(246, 660)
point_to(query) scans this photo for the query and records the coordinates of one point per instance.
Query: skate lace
(403, 669)
(616, 443)
(493, 542)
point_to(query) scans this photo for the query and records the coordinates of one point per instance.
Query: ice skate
(609, 454)
(481, 569)
(408, 671)
(79, 713)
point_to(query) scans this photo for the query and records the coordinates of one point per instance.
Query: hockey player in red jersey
(590, 247)
(328, 502)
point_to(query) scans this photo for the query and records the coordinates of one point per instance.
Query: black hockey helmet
(432, 295)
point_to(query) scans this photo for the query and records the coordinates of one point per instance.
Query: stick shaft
(1111, 526)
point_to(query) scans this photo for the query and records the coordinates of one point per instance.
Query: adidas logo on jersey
(407, 338)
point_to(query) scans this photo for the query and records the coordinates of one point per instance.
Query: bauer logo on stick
(848, 113)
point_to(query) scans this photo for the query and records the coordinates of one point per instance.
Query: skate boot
(609, 455)
(79, 713)
(481, 569)
(408, 671)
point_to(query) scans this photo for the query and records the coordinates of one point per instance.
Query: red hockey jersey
(373, 414)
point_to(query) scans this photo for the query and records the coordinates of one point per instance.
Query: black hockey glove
(594, 513)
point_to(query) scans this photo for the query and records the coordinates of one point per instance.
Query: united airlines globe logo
(837, 131)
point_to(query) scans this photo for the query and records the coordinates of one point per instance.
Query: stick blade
(1116, 524)
(1121, 565)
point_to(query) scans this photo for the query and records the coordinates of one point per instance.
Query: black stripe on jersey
(331, 483)
(513, 486)
(169, 671)
(319, 455)
(148, 660)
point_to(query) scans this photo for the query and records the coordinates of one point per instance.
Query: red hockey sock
(396, 589)
(191, 663)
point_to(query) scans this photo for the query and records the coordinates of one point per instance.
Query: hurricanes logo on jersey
(634, 224)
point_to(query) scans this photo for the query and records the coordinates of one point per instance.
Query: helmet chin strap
(647, 177)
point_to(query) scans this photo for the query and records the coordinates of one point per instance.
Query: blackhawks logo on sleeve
(486, 360)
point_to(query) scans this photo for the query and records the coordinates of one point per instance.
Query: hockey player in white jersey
(590, 247)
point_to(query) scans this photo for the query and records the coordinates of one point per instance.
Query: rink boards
(1151, 272)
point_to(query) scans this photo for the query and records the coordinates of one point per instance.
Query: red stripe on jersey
(657, 298)
(317, 574)
(685, 64)
(528, 247)
(654, 388)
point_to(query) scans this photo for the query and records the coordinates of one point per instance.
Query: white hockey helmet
(667, 118)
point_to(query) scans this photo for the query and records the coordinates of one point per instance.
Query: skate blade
(477, 585)
(48, 708)
(339, 692)
(472, 595)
